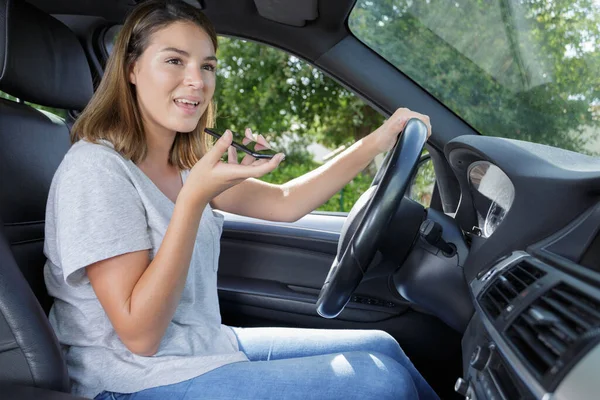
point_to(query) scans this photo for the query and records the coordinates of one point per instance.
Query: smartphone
(249, 148)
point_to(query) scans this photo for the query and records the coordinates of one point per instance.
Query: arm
(298, 197)
(140, 297)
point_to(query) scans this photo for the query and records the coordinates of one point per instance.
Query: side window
(421, 188)
(299, 110)
(296, 107)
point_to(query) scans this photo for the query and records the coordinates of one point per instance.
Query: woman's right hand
(211, 176)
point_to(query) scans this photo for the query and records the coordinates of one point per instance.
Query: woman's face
(175, 78)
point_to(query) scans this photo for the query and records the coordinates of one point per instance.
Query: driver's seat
(41, 61)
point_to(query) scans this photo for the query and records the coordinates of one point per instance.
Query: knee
(386, 344)
(385, 378)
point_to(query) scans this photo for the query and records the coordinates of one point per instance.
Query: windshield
(524, 69)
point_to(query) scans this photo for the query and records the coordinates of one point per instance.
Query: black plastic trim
(19, 392)
(277, 296)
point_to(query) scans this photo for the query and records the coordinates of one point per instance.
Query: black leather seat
(41, 61)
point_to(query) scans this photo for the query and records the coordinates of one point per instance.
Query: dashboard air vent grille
(509, 285)
(555, 331)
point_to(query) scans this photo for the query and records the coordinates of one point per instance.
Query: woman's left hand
(386, 135)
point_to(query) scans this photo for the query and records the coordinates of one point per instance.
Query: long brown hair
(113, 114)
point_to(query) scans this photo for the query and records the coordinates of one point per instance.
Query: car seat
(42, 62)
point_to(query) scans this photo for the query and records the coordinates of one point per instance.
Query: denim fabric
(303, 364)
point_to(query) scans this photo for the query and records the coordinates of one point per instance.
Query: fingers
(261, 142)
(249, 136)
(261, 161)
(257, 169)
(248, 159)
(232, 155)
(249, 166)
(403, 115)
(262, 167)
(219, 148)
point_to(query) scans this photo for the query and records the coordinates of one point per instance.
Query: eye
(209, 67)
(174, 61)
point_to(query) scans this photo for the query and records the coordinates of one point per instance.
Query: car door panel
(281, 267)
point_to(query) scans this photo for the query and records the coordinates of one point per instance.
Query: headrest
(41, 60)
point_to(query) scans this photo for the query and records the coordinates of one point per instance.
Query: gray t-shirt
(102, 205)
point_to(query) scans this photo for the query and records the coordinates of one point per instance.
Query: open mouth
(186, 104)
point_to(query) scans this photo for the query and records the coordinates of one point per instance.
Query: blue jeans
(303, 364)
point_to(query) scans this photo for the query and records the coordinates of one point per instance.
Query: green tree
(523, 69)
(274, 93)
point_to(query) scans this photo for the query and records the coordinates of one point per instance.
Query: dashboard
(536, 330)
(493, 194)
(532, 217)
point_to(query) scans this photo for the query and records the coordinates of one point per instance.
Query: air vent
(507, 286)
(555, 331)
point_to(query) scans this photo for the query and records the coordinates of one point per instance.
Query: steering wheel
(368, 220)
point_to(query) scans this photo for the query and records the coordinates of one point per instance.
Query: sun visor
(289, 12)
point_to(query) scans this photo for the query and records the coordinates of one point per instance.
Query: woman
(133, 244)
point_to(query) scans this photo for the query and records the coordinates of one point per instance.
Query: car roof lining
(242, 18)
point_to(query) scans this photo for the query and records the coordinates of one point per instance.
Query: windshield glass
(524, 69)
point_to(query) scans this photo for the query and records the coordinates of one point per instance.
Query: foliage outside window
(523, 69)
(421, 189)
(293, 105)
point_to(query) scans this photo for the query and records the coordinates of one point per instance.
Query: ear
(132, 73)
